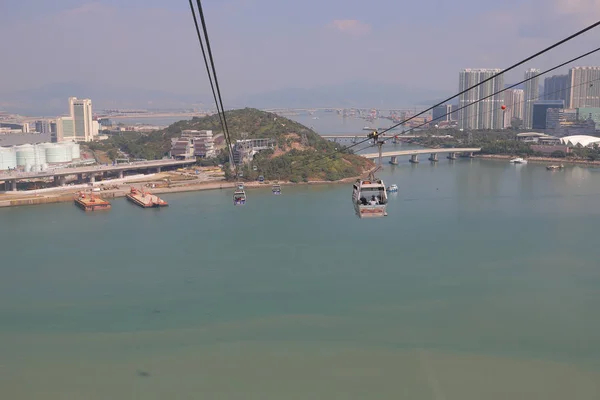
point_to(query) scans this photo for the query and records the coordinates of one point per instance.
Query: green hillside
(300, 153)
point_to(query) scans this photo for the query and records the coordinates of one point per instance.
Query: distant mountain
(358, 94)
(51, 99)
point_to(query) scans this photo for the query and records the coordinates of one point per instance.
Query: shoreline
(539, 159)
(67, 195)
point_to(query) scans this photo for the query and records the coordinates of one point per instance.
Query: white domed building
(580, 140)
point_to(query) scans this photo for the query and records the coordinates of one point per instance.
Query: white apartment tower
(513, 100)
(583, 87)
(532, 94)
(487, 113)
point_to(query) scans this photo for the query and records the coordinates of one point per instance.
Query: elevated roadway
(59, 174)
(414, 154)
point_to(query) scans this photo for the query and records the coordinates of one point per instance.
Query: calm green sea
(482, 283)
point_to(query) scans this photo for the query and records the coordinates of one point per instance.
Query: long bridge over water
(363, 136)
(414, 153)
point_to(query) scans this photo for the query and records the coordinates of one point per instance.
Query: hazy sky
(262, 45)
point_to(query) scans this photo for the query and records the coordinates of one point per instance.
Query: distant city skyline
(145, 53)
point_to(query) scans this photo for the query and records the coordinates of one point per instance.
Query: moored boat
(518, 160)
(145, 199)
(90, 202)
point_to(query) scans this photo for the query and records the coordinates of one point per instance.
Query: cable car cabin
(240, 185)
(276, 189)
(369, 198)
(239, 198)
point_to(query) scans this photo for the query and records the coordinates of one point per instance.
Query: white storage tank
(8, 158)
(58, 153)
(75, 150)
(25, 154)
(40, 154)
(68, 150)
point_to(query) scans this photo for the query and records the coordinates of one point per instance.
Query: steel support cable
(576, 34)
(495, 109)
(220, 110)
(467, 105)
(510, 87)
(212, 63)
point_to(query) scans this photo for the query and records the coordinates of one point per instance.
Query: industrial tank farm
(36, 157)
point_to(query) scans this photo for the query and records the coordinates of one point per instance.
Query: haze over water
(482, 283)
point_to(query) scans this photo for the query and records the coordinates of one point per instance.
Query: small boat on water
(393, 188)
(91, 202)
(518, 160)
(239, 198)
(145, 199)
(554, 167)
(276, 189)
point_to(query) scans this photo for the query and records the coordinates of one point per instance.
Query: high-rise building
(555, 87)
(43, 126)
(95, 128)
(65, 129)
(484, 114)
(539, 112)
(532, 94)
(513, 100)
(557, 116)
(584, 87)
(81, 112)
(441, 113)
(454, 115)
(78, 126)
